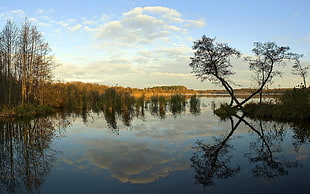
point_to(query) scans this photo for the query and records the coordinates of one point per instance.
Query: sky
(149, 43)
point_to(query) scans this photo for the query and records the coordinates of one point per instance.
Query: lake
(154, 151)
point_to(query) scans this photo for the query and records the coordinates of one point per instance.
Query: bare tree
(301, 71)
(9, 36)
(211, 62)
(26, 64)
(267, 57)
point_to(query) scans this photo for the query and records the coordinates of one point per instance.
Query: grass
(225, 111)
(293, 105)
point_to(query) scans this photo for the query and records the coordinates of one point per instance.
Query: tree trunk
(262, 85)
(230, 90)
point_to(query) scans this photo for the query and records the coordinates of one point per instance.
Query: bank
(293, 105)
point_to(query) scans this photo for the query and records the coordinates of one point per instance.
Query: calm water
(155, 153)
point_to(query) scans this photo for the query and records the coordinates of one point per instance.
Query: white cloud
(43, 24)
(44, 11)
(99, 70)
(196, 23)
(18, 12)
(89, 22)
(69, 25)
(33, 19)
(134, 29)
(110, 29)
(144, 26)
(63, 23)
(75, 28)
(173, 74)
(104, 17)
(146, 46)
(135, 11)
(164, 11)
(88, 29)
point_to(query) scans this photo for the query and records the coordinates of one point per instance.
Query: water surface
(155, 152)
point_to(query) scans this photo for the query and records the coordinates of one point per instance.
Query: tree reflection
(301, 134)
(264, 152)
(121, 105)
(125, 107)
(177, 104)
(158, 106)
(214, 160)
(110, 117)
(194, 105)
(26, 155)
(210, 161)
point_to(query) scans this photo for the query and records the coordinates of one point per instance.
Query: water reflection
(194, 103)
(26, 154)
(301, 134)
(265, 151)
(126, 108)
(212, 161)
(157, 150)
(134, 162)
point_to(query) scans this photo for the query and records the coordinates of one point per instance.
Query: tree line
(26, 64)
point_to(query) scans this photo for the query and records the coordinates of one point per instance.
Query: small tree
(301, 71)
(211, 62)
(267, 57)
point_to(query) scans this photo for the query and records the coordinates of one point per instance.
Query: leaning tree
(267, 57)
(211, 62)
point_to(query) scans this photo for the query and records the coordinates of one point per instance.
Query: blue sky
(147, 43)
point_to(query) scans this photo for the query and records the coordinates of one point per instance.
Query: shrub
(225, 111)
(293, 105)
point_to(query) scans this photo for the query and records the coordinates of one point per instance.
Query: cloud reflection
(153, 148)
(135, 162)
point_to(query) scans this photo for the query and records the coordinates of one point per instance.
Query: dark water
(159, 152)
